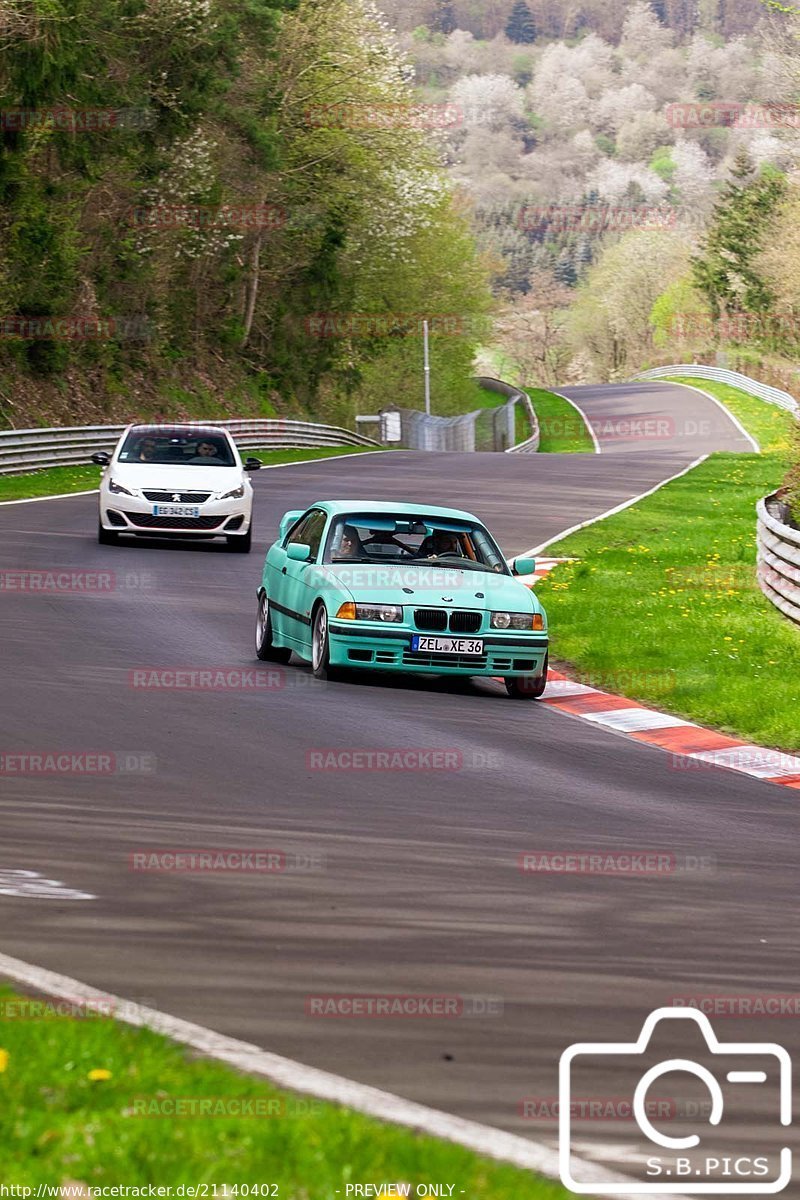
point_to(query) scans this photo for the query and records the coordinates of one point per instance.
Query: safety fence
(516, 397)
(31, 449)
(779, 557)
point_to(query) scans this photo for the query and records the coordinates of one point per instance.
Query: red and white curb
(693, 747)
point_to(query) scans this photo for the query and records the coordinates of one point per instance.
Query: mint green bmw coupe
(400, 587)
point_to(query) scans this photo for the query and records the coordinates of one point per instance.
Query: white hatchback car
(178, 481)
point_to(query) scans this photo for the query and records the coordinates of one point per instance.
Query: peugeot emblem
(176, 496)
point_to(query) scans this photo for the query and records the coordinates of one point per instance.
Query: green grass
(684, 624)
(767, 423)
(563, 429)
(56, 1124)
(59, 480)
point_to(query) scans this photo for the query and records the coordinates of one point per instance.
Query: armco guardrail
(778, 557)
(30, 449)
(722, 375)
(515, 396)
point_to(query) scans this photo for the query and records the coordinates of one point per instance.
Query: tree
(521, 27)
(443, 19)
(727, 269)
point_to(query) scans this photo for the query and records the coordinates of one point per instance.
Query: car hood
(176, 477)
(431, 587)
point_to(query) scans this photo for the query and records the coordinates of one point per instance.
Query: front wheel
(241, 543)
(321, 646)
(528, 687)
(266, 650)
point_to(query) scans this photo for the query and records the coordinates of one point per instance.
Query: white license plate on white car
(447, 645)
(176, 510)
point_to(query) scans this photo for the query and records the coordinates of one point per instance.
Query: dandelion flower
(98, 1074)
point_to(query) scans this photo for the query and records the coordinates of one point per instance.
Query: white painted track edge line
(720, 404)
(612, 511)
(597, 447)
(285, 1072)
(305, 462)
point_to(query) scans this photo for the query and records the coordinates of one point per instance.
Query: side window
(314, 531)
(309, 531)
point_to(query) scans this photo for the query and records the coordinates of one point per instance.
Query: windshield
(177, 447)
(432, 541)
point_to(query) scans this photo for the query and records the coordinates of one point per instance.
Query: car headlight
(236, 494)
(379, 612)
(504, 620)
(118, 489)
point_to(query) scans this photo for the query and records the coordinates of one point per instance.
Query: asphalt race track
(415, 888)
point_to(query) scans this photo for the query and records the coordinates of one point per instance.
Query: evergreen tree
(521, 27)
(443, 19)
(564, 270)
(725, 270)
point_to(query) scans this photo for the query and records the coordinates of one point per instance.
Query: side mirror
(287, 521)
(102, 459)
(252, 464)
(522, 566)
(298, 552)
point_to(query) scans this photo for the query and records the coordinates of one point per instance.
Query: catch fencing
(492, 429)
(31, 449)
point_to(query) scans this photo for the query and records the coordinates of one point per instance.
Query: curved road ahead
(416, 888)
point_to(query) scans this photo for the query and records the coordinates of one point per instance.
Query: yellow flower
(99, 1073)
(3, 1060)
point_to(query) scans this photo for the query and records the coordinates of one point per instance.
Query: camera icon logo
(686, 1163)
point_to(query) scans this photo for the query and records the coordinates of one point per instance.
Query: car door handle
(283, 572)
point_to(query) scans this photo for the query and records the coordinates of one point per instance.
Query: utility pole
(427, 368)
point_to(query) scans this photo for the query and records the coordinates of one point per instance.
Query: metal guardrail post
(721, 375)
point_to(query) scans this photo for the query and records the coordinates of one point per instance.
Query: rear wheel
(106, 537)
(266, 650)
(321, 645)
(528, 687)
(241, 543)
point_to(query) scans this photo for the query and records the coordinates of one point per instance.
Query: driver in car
(439, 544)
(205, 451)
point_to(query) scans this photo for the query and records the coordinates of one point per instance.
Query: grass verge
(563, 429)
(57, 481)
(684, 624)
(60, 1122)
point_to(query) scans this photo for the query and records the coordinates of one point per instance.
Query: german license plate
(176, 510)
(447, 645)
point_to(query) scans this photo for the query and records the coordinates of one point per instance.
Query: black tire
(528, 687)
(265, 650)
(106, 537)
(321, 646)
(240, 543)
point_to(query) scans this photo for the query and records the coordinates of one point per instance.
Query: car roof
(180, 427)
(406, 507)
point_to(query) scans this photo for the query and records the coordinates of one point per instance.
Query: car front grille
(431, 619)
(476, 662)
(178, 497)
(148, 521)
(435, 620)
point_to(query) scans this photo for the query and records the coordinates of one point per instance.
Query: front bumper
(390, 650)
(134, 514)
